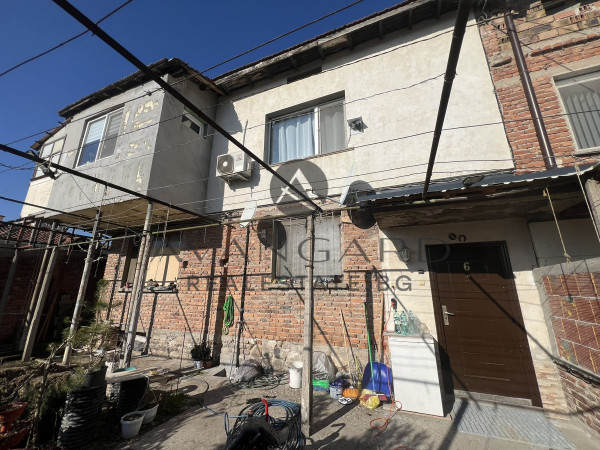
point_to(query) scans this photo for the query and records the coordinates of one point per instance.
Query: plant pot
(9, 413)
(131, 424)
(95, 377)
(149, 414)
(208, 364)
(9, 440)
(198, 364)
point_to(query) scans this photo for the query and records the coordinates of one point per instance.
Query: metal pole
(41, 299)
(462, 17)
(240, 328)
(307, 352)
(136, 295)
(36, 290)
(87, 268)
(532, 102)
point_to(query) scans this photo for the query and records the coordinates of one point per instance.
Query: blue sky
(201, 33)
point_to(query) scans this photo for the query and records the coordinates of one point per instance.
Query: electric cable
(190, 77)
(56, 47)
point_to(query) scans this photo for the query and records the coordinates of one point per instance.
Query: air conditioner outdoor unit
(234, 166)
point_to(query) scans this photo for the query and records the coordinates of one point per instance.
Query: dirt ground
(335, 426)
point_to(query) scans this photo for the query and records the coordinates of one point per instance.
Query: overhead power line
(38, 160)
(281, 36)
(79, 16)
(56, 47)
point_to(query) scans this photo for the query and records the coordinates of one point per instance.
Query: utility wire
(56, 47)
(229, 101)
(282, 36)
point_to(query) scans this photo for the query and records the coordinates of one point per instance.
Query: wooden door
(479, 320)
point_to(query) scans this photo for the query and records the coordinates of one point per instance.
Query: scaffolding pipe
(137, 292)
(462, 17)
(36, 290)
(87, 268)
(40, 301)
(307, 352)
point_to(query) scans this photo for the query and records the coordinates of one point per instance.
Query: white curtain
(293, 138)
(332, 127)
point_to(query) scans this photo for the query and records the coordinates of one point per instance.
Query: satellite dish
(346, 187)
(248, 214)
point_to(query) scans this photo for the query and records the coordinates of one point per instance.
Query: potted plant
(200, 353)
(131, 424)
(95, 340)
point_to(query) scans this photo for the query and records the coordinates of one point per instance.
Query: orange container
(350, 393)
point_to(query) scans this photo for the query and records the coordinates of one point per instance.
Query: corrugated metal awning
(489, 180)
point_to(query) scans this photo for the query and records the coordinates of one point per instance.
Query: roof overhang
(496, 196)
(307, 53)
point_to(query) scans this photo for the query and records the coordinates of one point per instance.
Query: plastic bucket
(335, 391)
(296, 375)
(131, 424)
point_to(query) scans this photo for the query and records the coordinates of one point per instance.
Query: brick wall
(573, 310)
(575, 315)
(66, 278)
(212, 268)
(583, 398)
(552, 44)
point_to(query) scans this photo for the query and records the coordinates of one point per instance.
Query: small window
(194, 123)
(581, 99)
(308, 132)
(100, 139)
(291, 258)
(163, 265)
(50, 152)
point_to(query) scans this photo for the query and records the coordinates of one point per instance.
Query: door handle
(445, 313)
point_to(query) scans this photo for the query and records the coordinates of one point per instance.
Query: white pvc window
(50, 152)
(100, 138)
(581, 98)
(308, 132)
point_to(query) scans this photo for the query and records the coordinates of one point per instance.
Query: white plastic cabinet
(415, 373)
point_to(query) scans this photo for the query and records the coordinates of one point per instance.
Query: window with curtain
(292, 255)
(100, 138)
(308, 132)
(581, 98)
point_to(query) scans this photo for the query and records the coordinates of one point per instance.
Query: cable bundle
(255, 427)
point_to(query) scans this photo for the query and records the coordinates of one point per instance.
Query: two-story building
(348, 119)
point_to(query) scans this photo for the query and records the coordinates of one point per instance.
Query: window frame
(571, 79)
(192, 117)
(315, 108)
(102, 142)
(38, 173)
(278, 253)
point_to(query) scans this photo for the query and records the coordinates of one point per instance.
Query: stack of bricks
(212, 265)
(553, 44)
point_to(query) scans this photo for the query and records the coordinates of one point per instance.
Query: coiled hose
(256, 425)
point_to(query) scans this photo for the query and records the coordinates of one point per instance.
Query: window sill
(587, 151)
(150, 291)
(312, 157)
(321, 286)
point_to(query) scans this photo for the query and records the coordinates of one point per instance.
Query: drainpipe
(532, 102)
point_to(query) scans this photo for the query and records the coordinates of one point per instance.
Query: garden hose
(228, 318)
